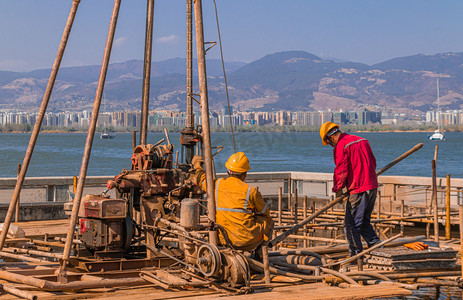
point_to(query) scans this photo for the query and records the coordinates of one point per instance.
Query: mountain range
(291, 80)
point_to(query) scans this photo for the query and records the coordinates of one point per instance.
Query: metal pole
(280, 198)
(460, 210)
(134, 139)
(89, 141)
(304, 215)
(266, 265)
(295, 202)
(189, 65)
(38, 122)
(434, 198)
(17, 292)
(447, 210)
(378, 212)
(74, 185)
(290, 207)
(147, 71)
(402, 211)
(16, 216)
(295, 228)
(207, 154)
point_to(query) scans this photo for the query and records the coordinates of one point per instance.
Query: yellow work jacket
(241, 210)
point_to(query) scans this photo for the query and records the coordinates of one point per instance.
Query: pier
(403, 206)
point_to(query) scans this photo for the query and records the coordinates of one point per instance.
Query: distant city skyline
(131, 119)
(359, 30)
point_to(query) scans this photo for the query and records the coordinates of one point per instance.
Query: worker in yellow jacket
(240, 208)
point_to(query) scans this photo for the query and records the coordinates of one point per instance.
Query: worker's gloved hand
(417, 246)
(197, 161)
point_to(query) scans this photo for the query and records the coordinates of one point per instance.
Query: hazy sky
(367, 31)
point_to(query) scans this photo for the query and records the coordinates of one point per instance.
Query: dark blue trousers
(357, 221)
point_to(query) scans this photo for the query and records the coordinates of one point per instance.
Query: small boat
(106, 136)
(437, 135)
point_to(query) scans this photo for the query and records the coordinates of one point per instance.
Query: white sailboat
(437, 135)
(105, 135)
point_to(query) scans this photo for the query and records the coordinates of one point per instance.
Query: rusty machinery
(157, 211)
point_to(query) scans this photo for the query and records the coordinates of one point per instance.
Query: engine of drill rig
(158, 202)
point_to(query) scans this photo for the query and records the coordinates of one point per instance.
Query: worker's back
(241, 210)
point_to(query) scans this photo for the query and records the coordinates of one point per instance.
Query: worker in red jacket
(354, 173)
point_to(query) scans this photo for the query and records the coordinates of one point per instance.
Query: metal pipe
(339, 199)
(147, 71)
(434, 202)
(343, 248)
(295, 201)
(460, 210)
(33, 252)
(206, 138)
(25, 258)
(447, 209)
(74, 184)
(369, 274)
(71, 286)
(259, 267)
(440, 282)
(280, 198)
(316, 269)
(17, 292)
(134, 139)
(304, 215)
(189, 65)
(417, 274)
(314, 238)
(400, 158)
(366, 251)
(266, 266)
(16, 215)
(290, 207)
(38, 122)
(89, 141)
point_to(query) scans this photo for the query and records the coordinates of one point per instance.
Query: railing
(395, 192)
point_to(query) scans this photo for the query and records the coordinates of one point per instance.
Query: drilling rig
(159, 210)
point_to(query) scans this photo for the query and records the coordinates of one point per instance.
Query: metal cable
(224, 77)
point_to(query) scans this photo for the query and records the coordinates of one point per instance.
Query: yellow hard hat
(238, 162)
(325, 128)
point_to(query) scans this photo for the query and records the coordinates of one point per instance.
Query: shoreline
(236, 131)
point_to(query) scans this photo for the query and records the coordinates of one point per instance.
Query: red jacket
(355, 165)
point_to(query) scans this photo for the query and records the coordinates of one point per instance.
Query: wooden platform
(282, 288)
(286, 292)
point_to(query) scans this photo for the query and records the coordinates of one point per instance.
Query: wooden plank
(320, 291)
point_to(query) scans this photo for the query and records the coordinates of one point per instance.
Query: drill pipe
(339, 199)
(342, 248)
(315, 269)
(17, 292)
(257, 264)
(38, 122)
(201, 53)
(147, 71)
(71, 286)
(25, 258)
(90, 137)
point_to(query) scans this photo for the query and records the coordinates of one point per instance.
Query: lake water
(61, 154)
